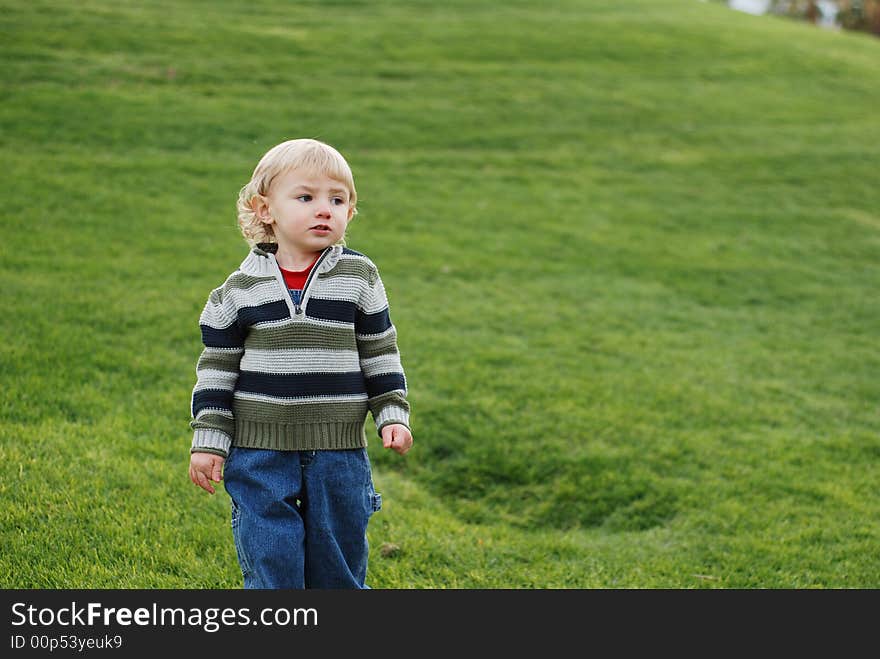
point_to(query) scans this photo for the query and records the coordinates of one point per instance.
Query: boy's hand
(205, 467)
(398, 437)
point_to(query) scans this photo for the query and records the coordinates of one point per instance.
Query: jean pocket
(243, 562)
(375, 500)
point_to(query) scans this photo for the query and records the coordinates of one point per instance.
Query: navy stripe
(346, 250)
(372, 323)
(213, 398)
(339, 310)
(228, 337)
(301, 384)
(269, 311)
(382, 384)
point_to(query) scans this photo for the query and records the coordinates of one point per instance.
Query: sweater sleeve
(216, 375)
(379, 357)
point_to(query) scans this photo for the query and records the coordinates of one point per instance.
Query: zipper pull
(297, 301)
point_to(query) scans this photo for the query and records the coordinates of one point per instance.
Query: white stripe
(214, 379)
(335, 324)
(381, 364)
(301, 361)
(307, 320)
(265, 291)
(210, 350)
(339, 287)
(214, 315)
(377, 299)
(375, 337)
(264, 324)
(262, 398)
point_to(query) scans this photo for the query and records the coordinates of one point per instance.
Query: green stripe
(302, 335)
(386, 399)
(349, 268)
(243, 281)
(385, 345)
(228, 362)
(209, 421)
(214, 297)
(238, 281)
(343, 411)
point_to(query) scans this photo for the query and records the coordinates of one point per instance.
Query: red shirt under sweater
(296, 279)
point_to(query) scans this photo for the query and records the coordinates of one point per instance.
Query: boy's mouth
(321, 227)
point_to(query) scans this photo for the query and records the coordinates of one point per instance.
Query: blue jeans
(299, 518)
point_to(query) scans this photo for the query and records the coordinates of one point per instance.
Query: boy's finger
(216, 476)
(405, 443)
(203, 482)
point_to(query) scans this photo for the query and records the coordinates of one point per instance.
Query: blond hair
(311, 157)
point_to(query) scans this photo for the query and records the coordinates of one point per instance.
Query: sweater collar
(261, 261)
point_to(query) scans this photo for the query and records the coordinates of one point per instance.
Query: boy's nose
(323, 211)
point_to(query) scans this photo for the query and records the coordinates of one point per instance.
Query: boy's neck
(295, 260)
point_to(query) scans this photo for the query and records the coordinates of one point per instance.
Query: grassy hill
(632, 250)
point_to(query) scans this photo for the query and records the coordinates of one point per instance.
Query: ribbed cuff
(208, 440)
(392, 414)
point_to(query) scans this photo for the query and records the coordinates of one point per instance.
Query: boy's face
(308, 213)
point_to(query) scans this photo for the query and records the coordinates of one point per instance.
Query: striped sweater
(275, 374)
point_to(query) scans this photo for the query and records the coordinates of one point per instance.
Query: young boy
(298, 346)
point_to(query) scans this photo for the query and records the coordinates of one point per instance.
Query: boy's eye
(304, 197)
(339, 201)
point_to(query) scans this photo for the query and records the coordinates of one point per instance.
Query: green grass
(632, 251)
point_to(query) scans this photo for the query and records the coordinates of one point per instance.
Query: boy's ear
(260, 206)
